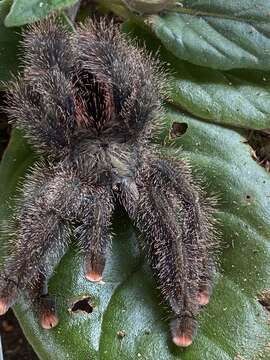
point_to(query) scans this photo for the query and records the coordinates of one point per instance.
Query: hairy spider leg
(93, 233)
(175, 227)
(52, 200)
(40, 233)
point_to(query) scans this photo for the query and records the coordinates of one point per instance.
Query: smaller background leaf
(208, 33)
(23, 12)
(239, 98)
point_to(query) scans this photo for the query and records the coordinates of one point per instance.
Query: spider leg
(178, 233)
(93, 233)
(44, 305)
(39, 234)
(52, 199)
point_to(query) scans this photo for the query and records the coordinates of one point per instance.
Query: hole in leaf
(264, 299)
(178, 129)
(83, 305)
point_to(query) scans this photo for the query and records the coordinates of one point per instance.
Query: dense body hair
(89, 103)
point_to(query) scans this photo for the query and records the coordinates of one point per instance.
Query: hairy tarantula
(89, 103)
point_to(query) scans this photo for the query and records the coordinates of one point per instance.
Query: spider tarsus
(182, 341)
(204, 294)
(48, 319)
(47, 313)
(93, 276)
(203, 298)
(8, 295)
(183, 330)
(94, 265)
(4, 305)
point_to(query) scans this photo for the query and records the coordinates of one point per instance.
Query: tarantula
(89, 103)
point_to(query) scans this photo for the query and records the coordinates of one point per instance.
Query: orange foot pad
(183, 340)
(4, 306)
(48, 320)
(203, 298)
(93, 276)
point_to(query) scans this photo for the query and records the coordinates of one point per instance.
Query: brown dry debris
(238, 357)
(259, 140)
(264, 354)
(264, 299)
(121, 334)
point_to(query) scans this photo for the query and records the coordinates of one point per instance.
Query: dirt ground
(14, 344)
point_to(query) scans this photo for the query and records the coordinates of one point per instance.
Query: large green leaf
(24, 12)
(9, 39)
(238, 98)
(218, 34)
(234, 323)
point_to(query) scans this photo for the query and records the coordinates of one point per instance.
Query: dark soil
(14, 344)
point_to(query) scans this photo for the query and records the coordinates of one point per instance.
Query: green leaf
(24, 12)
(9, 44)
(9, 40)
(218, 34)
(238, 98)
(234, 322)
(235, 98)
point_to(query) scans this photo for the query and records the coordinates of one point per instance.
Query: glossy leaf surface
(218, 34)
(127, 321)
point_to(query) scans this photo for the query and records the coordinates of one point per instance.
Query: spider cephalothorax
(89, 102)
